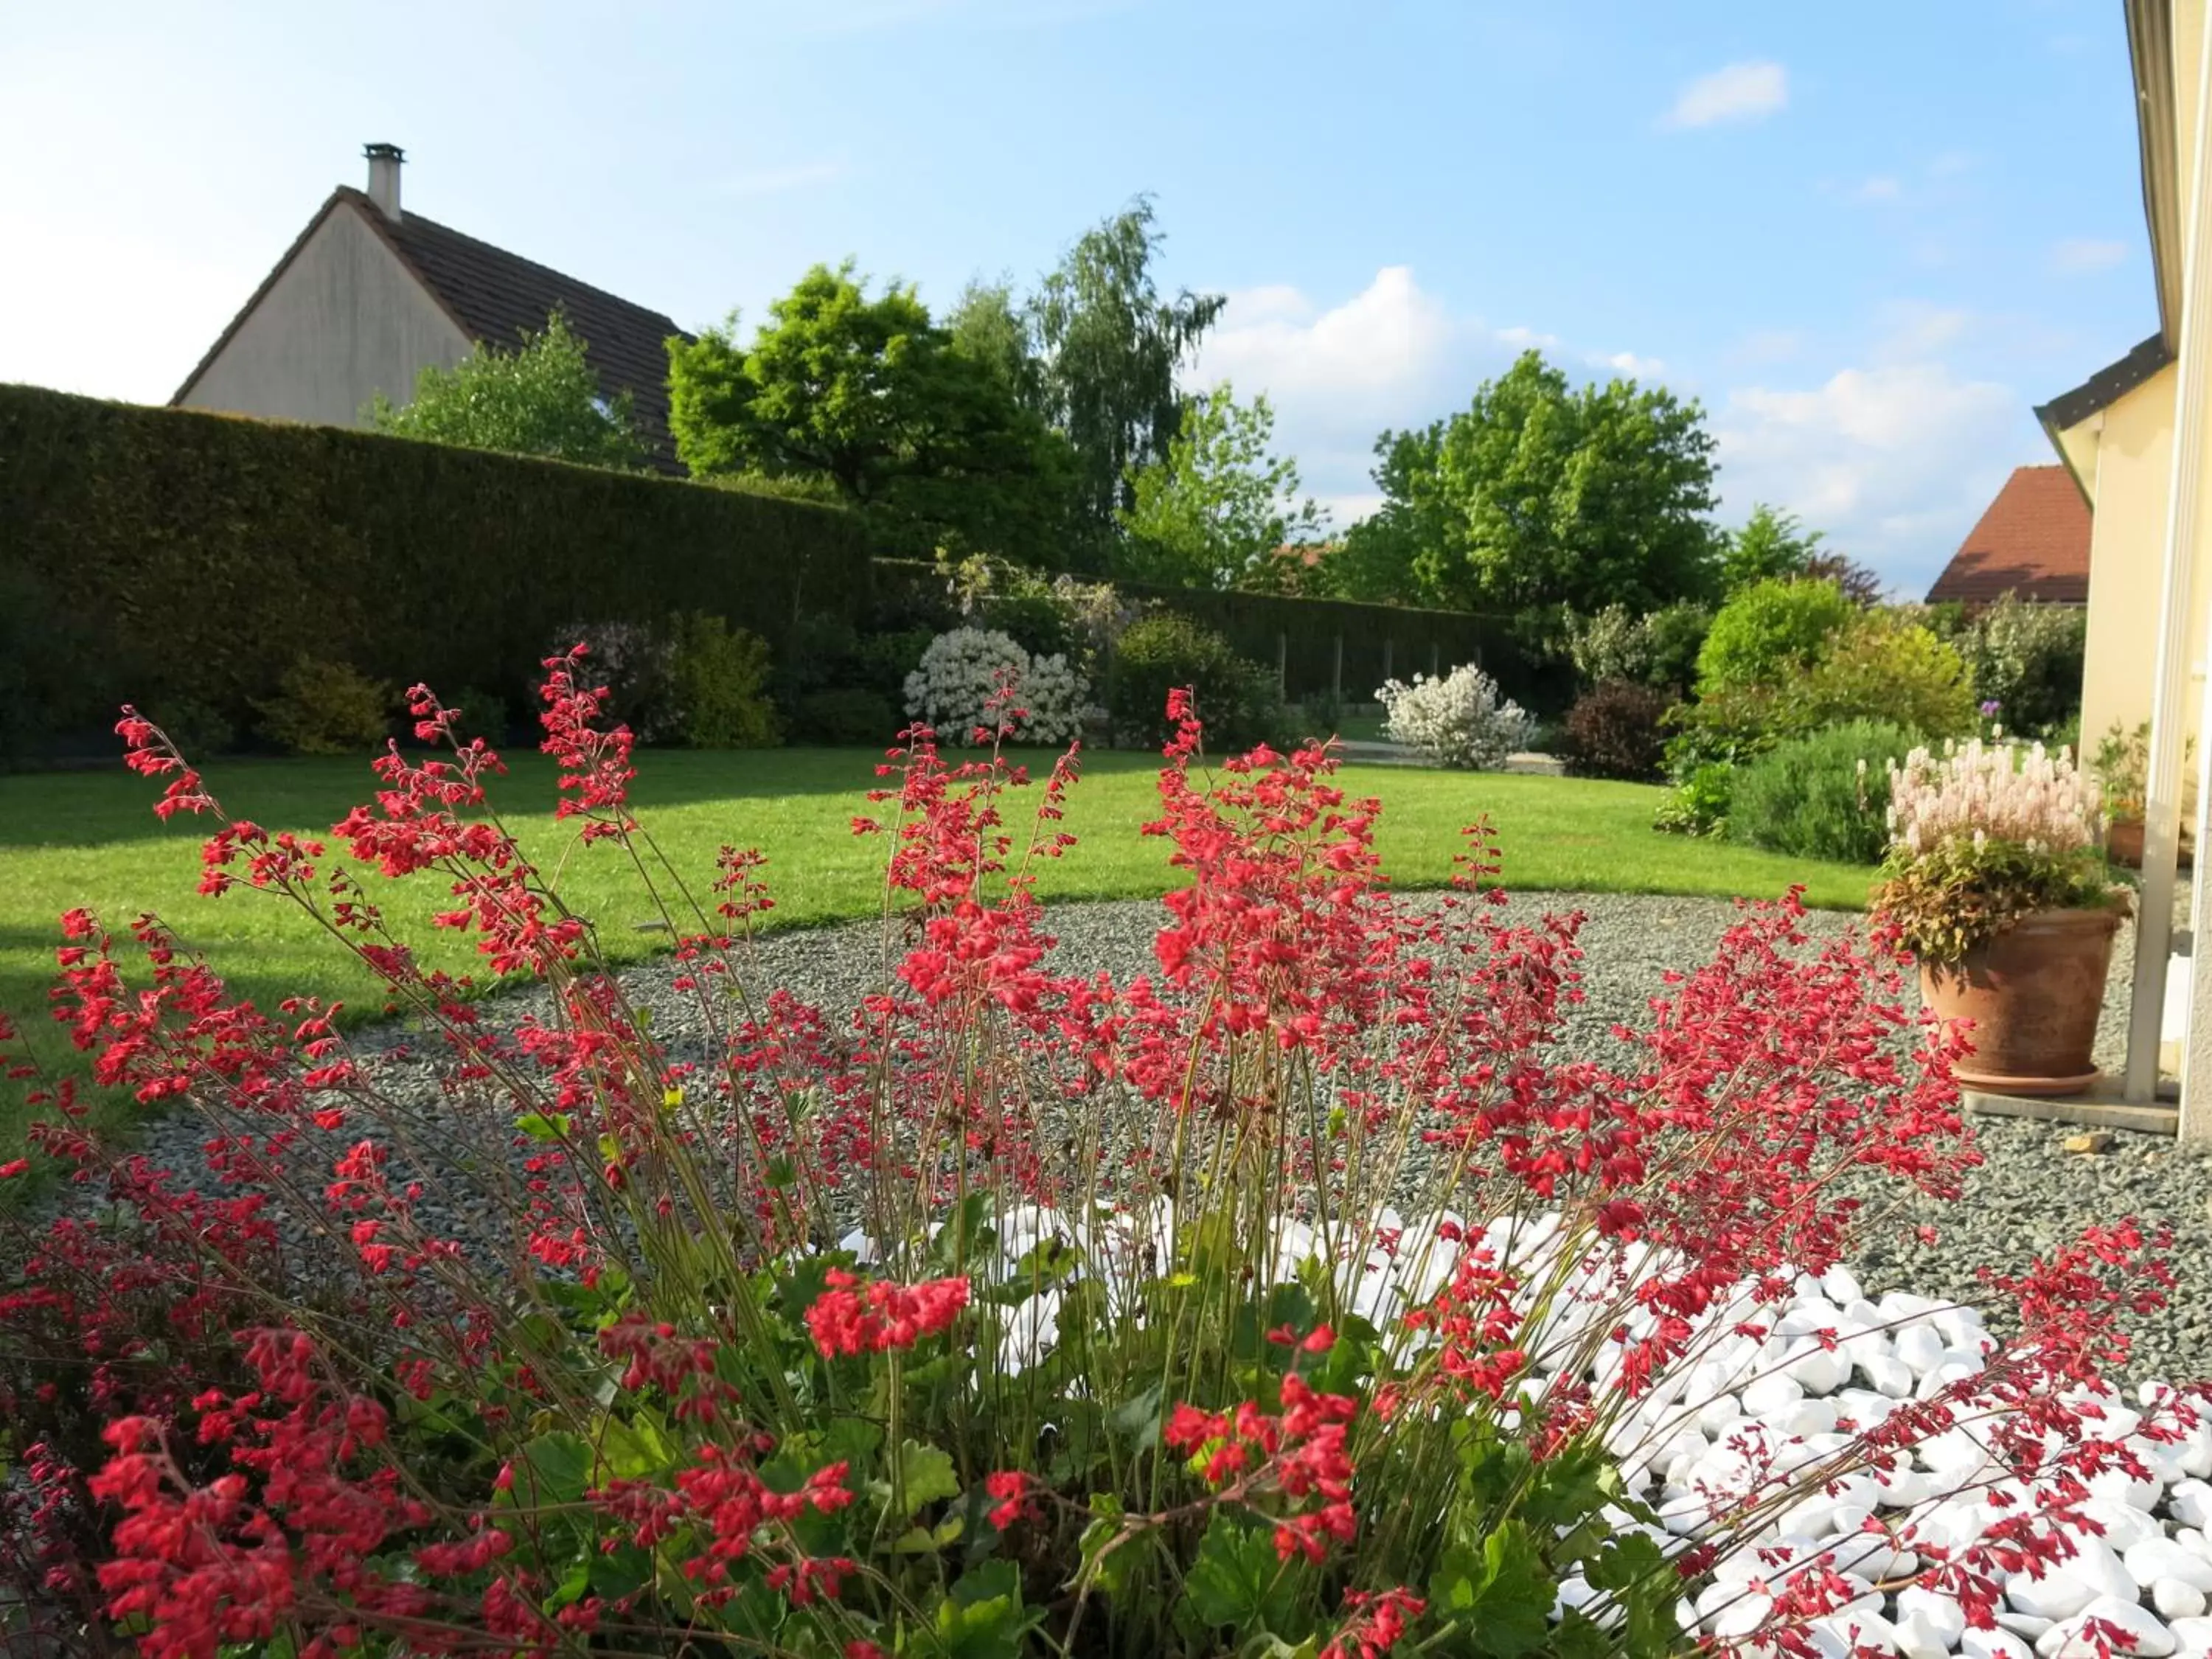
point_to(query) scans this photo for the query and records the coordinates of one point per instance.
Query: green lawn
(88, 838)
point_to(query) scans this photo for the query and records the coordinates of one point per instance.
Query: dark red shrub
(1613, 731)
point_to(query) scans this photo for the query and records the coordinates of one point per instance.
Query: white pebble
(1903, 1489)
(2026, 1626)
(1920, 1347)
(2139, 1631)
(1943, 1614)
(2194, 1541)
(1860, 1629)
(1747, 1613)
(2191, 1500)
(2125, 1528)
(2122, 1487)
(2163, 1558)
(1993, 1644)
(1718, 1412)
(1771, 1395)
(2175, 1600)
(1821, 1371)
(2093, 1563)
(2192, 1638)
(1919, 1638)
(1841, 1287)
(2055, 1595)
(1888, 1375)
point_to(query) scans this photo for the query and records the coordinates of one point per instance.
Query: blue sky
(1868, 237)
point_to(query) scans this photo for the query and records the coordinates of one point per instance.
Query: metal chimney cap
(384, 152)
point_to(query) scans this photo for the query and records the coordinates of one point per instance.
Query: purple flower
(1990, 707)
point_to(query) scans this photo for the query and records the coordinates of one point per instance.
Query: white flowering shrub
(976, 678)
(1982, 791)
(1457, 720)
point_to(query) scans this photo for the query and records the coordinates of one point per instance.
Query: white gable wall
(344, 321)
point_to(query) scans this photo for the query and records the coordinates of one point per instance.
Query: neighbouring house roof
(2034, 541)
(2107, 386)
(496, 297)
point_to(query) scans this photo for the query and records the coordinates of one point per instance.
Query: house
(369, 295)
(2034, 541)
(2133, 436)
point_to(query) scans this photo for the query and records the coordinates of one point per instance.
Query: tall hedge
(185, 555)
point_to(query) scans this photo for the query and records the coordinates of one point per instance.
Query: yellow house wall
(2129, 469)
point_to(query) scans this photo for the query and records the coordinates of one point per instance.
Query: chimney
(384, 161)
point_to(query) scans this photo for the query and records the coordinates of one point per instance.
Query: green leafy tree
(869, 393)
(1772, 631)
(541, 399)
(1212, 511)
(1772, 545)
(1542, 494)
(1106, 347)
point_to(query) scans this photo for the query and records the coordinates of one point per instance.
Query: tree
(1107, 349)
(1212, 511)
(541, 399)
(1539, 494)
(870, 394)
(1772, 546)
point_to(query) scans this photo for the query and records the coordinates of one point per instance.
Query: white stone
(1822, 1371)
(1993, 1644)
(2055, 1595)
(1943, 1614)
(1718, 1412)
(1920, 1347)
(2025, 1625)
(1685, 1517)
(1747, 1613)
(2095, 1564)
(1841, 1285)
(1944, 1373)
(2163, 1558)
(2120, 1486)
(1808, 1417)
(2175, 1600)
(2138, 1629)
(2196, 1449)
(1919, 1638)
(1903, 1489)
(2192, 1638)
(1960, 1326)
(1888, 1375)
(2194, 1541)
(2191, 1500)
(1861, 1630)
(1771, 1395)
(2124, 1526)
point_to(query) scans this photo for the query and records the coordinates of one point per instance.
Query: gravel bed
(2029, 1194)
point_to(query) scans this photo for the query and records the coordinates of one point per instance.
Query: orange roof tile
(2032, 541)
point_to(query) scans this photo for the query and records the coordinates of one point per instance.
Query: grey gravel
(2029, 1195)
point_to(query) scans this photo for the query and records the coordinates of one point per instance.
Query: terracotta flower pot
(2033, 995)
(2124, 839)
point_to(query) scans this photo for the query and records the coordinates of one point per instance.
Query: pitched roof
(496, 297)
(2032, 541)
(2107, 386)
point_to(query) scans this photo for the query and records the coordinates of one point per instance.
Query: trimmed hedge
(197, 556)
(1380, 641)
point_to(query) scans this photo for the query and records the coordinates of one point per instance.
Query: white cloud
(1392, 356)
(1879, 188)
(1741, 92)
(2078, 255)
(1528, 339)
(1628, 363)
(1893, 461)
(771, 181)
(1913, 330)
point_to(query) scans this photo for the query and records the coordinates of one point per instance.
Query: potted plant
(2123, 764)
(1993, 881)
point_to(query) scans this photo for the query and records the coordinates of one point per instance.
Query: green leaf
(1103, 1565)
(1238, 1581)
(561, 1463)
(982, 1617)
(540, 1126)
(573, 1584)
(1502, 1594)
(1138, 1418)
(925, 1476)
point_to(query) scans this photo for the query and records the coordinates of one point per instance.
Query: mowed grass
(90, 839)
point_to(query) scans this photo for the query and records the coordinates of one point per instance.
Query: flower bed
(1134, 1353)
